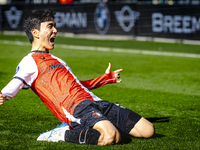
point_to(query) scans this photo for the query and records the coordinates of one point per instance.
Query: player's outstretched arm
(106, 78)
(2, 98)
(116, 73)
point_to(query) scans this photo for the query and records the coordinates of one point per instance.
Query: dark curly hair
(34, 19)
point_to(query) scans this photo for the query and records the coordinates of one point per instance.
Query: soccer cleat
(55, 135)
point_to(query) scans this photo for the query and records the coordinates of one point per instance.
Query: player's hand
(117, 73)
(2, 98)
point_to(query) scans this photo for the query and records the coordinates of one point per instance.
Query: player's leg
(141, 128)
(55, 135)
(63, 133)
(82, 136)
(102, 131)
(108, 132)
(129, 122)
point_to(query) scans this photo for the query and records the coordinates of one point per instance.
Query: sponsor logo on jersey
(102, 18)
(97, 114)
(126, 18)
(13, 16)
(51, 67)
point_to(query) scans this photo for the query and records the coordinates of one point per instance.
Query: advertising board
(178, 21)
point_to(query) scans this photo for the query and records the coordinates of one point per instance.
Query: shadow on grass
(129, 138)
(157, 119)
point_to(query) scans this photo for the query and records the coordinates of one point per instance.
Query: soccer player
(86, 118)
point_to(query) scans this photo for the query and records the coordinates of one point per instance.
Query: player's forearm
(100, 81)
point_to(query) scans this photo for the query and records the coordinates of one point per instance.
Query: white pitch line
(133, 51)
(107, 49)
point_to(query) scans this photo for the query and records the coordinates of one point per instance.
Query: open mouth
(52, 39)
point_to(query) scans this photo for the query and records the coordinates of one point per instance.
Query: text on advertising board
(175, 24)
(74, 19)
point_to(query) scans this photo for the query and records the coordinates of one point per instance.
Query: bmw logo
(102, 18)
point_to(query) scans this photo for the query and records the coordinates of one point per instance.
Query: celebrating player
(86, 119)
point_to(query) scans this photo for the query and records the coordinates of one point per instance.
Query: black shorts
(91, 112)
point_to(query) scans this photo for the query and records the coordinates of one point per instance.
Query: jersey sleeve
(25, 74)
(12, 88)
(27, 71)
(100, 81)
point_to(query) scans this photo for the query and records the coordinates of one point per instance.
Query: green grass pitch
(163, 89)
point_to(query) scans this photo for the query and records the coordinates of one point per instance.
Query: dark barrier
(181, 21)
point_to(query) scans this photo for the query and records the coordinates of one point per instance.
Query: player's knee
(149, 131)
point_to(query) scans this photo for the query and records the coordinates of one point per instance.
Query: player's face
(47, 35)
